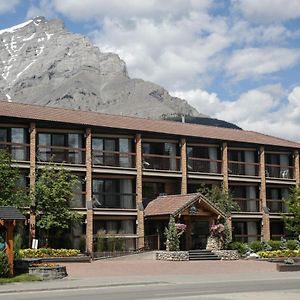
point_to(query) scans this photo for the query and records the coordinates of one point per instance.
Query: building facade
(123, 163)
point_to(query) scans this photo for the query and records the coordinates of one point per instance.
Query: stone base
(227, 254)
(214, 243)
(49, 273)
(172, 255)
(287, 267)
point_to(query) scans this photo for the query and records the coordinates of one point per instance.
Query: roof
(54, 114)
(10, 213)
(175, 204)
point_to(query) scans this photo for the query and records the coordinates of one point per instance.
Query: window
(113, 193)
(60, 147)
(113, 227)
(14, 141)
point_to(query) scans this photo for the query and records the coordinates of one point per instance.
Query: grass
(20, 278)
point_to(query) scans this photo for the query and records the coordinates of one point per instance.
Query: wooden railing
(243, 168)
(204, 165)
(280, 171)
(61, 154)
(113, 158)
(18, 151)
(161, 162)
(247, 204)
(114, 200)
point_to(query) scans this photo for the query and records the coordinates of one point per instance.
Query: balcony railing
(246, 238)
(248, 205)
(161, 162)
(279, 171)
(204, 165)
(19, 152)
(277, 206)
(113, 159)
(243, 168)
(60, 154)
(114, 200)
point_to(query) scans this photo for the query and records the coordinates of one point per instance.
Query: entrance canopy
(176, 205)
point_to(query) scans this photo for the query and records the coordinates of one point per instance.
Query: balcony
(243, 168)
(18, 152)
(248, 205)
(204, 165)
(279, 171)
(277, 206)
(161, 162)
(114, 200)
(113, 159)
(61, 154)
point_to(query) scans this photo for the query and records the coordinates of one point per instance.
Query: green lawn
(20, 278)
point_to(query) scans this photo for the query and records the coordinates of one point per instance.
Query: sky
(236, 60)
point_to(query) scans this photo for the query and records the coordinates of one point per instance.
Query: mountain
(42, 63)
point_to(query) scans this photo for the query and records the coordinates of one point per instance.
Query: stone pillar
(297, 167)
(88, 187)
(225, 166)
(263, 196)
(139, 191)
(184, 175)
(32, 159)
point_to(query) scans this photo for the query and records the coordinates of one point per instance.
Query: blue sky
(237, 60)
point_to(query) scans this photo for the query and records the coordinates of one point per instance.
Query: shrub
(48, 252)
(274, 244)
(4, 266)
(240, 247)
(255, 246)
(292, 244)
(17, 245)
(283, 244)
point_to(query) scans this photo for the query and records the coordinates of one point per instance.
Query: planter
(49, 273)
(287, 267)
(172, 255)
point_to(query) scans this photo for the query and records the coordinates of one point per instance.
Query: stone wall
(214, 243)
(227, 254)
(172, 255)
(49, 273)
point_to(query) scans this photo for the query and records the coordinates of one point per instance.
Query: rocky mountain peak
(43, 63)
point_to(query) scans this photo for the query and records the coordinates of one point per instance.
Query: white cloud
(253, 62)
(268, 10)
(8, 5)
(42, 8)
(126, 9)
(262, 109)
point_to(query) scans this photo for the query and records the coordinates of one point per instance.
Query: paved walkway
(138, 270)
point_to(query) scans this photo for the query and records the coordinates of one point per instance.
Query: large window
(113, 193)
(247, 197)
(276, 199)
(78, 200)
(203, 159)
(246, 231)
(243, 162)
(279, 165)
(116, 152)
(114, 227)
(61, 147)
(14, 140)
(161, 156)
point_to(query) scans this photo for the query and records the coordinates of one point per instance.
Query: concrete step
(199, 254)
(205, 258)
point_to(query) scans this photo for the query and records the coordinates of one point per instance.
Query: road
(274, 288)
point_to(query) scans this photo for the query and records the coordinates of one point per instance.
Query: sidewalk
(116, 272)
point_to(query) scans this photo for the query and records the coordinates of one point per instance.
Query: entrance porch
(193, 210)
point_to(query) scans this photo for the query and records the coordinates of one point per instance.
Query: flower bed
(48, 252)
(279, 253)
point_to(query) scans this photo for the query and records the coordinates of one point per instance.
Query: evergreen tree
(172, 235)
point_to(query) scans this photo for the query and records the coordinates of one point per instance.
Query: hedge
(48, 252)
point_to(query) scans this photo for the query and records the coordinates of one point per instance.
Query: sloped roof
(175, 204)
(10, 213)
(54, 114)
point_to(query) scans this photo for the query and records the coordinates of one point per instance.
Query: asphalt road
(258, 289)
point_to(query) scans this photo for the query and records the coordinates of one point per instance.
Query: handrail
(61, 147)
(160, 156)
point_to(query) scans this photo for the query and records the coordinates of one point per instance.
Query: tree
(53, 193)
(292, 223)
(173, 234)
(221, 198)
(11, 191)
